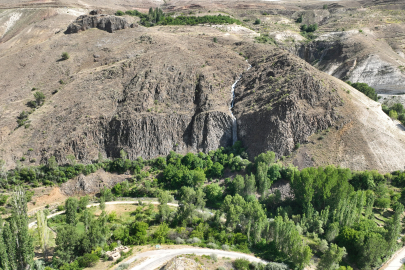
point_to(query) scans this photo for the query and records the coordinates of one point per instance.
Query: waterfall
(234, 124)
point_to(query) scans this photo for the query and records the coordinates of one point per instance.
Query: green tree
(43, 233)
(67, 241)
(393, 114)
(39, 98)
(71, 210)
(238, 185)
(213, 193)
(83, 202)
(161, 232)
(261, 178)
(11, 246)
(331, 258)
(19, 223)
(394, 227)
(65, 56)
(4, 264)
(138, 232)
(164, 210)
(102, 203)
(250, 185)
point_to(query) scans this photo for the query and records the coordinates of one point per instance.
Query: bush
(212, 245)
(119, 13)
(65, 56)
(241, 264)
(3, 199)
(123, 266)
(193, 240)
(88, 260)
(257, 21)
(393, 114)
(215, 40)
(276, 266)
(365, 89)
(179, 241)
(225, 247)
(214, 257)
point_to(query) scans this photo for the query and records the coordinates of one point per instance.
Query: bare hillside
(152, 90)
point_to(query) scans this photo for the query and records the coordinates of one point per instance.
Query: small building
(115, 254)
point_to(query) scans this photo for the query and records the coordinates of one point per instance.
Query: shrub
(276, 266)
(215, 40)
(179, 241)
(212, 245)
(60, 207)
(3, 199)
(225, 247)
(257, 21)
(88, 260)
(39, 98)
(123, 266)
(297, 145)
(393, 114)
(241, 264)
(214, 257)
(65, 56)
(193, 240)
(119, 13)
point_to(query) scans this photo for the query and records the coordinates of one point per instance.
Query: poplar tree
(4, 265)
(261, 177)
(43, 233)
(19, 225)
(250, 185)
(10, 242)
(369, 205)
(394, 227)
(71, 209)
(238, 185)
(164, 209)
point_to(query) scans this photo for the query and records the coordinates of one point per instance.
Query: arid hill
(152, 90)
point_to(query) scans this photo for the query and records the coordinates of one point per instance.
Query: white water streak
(234, 124)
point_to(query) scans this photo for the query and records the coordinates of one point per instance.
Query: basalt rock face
(280, 102)
(103, 22)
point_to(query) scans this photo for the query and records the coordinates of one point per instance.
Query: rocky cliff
(100, 21)
(152, 90)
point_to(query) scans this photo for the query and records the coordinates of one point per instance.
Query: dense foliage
(157, 17)
(365, 89)
(332, 212)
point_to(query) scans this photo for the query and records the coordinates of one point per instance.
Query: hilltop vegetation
(157, 17)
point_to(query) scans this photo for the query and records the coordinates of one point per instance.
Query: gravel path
(157, 258)
(34, 223)
(396, 262)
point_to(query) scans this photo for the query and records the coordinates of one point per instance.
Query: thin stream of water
(234, 124)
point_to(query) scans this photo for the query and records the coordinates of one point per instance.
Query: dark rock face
(281, 102)
(103, 22)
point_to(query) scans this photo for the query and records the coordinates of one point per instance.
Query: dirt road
(34, 223)
(396, 261)
(156, 258)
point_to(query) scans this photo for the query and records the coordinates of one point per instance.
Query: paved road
(157, 258)
(34, 223)
(396, 261)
